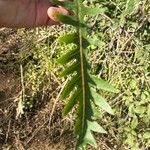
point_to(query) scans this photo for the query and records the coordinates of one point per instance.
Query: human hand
(28, 13)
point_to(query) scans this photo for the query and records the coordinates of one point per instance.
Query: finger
(53, 10)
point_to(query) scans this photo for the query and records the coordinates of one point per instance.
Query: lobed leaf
(82, 84)
(70, 86)
(94, 126)
(96, 113)
(69, 5)
(69, 38)
(71, 69)
(67, 57)
(68, 20)
(88, 139)
(78, 123)
(88, 136)
(102, 84)
(101, 102)
(71, 102)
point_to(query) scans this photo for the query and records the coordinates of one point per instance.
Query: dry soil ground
(38, 130)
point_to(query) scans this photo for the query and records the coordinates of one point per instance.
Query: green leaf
(69, 5)
(70, 86)
(140, 109)
(131, 6)
(68, 57)
(146, 135)
(95, 40)
(69, 70)
(89, 139)
(78, 123)
(101, 84)
(71, 102)
(134, 122)
(96, 113)
(69, 38)
(130, 139)
(93, 11)
(101, 102)
(81, 80)
(68, 20)
(133, 84)
(94, 126)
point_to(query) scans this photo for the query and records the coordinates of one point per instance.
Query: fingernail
(53, 10)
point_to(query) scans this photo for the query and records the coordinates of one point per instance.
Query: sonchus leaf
(71, 69)
(88, 136)
(72, 102)
(70, 86)
(69, 5)
(96, 112)
(94, 126)
(80, 90)
(69, 38)
(102, 84)
(68, 20)
(68, 57)
(101, 102)
(88, 139)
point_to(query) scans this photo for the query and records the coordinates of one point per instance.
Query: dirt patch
(9, 88)
(35, 132)
(37, 129)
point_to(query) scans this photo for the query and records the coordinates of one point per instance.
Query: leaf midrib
(79, 29)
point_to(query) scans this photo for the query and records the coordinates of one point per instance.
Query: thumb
(52, 11)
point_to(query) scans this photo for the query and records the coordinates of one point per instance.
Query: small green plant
(83, 88)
